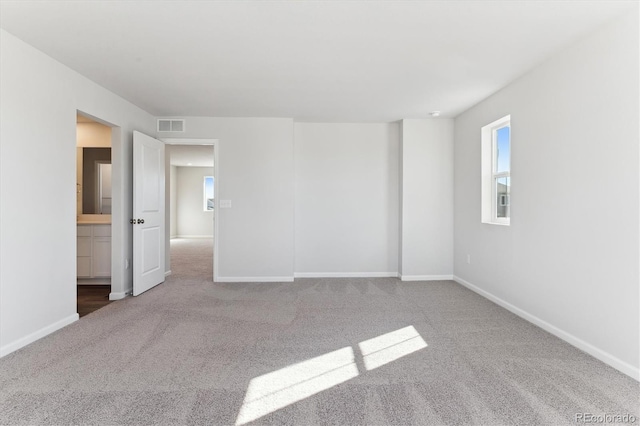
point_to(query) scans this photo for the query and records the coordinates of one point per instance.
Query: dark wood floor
(92, 297)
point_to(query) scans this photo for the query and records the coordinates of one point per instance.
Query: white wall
(170, 212)
(40, 98)
(569, 260)
(173, 195)
(346, 199)
(427, 199)
(255, 172)
(192, 220)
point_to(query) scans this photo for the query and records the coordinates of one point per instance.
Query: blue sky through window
(208, 192)
(208, 186)
(503, 145)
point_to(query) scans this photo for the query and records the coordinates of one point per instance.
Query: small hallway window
(208, 193)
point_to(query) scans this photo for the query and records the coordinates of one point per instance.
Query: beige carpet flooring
(313, 352)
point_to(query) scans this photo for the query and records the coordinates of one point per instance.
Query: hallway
(192, 257)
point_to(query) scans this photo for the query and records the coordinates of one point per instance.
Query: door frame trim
(216, 185)
(118, 272)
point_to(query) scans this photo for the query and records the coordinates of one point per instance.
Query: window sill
(497, 223)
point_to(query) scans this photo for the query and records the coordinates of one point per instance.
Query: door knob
(132, 221)
(140, 220)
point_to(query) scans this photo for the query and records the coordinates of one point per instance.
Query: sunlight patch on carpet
(389, 347)
(278, 389)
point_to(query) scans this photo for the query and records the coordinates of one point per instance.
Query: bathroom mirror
(94, 183)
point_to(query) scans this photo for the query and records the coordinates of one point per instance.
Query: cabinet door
(84, 267)
(101, 257)
(84, 247)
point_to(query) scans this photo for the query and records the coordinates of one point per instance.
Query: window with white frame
(208, 193)
(496, 172)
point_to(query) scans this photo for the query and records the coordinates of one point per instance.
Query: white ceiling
(190, 155)
(310, 60)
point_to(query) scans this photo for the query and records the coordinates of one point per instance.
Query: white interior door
(148, 212)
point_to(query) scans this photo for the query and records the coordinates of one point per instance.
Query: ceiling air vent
(165, 125)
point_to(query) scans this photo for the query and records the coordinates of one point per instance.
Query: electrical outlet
(127, 264)
(469, 259)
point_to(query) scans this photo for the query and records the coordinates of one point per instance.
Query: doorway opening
(191, 212)
(94, 197)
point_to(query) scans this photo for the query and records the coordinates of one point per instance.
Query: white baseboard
(345, 274)
(166, 274)
(117, 296)
(598, 353)
(194, 236)
(20, 343)
(426, 277)
(254, 279)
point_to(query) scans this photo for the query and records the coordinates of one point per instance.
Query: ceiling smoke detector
(435, 114)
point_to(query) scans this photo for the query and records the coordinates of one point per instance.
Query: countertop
(93, 219)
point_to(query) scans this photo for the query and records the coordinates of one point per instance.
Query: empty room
(321, 212)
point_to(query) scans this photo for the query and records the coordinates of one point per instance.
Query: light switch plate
(225, 204)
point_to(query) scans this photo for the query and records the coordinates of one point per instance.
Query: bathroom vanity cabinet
(94, 253)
